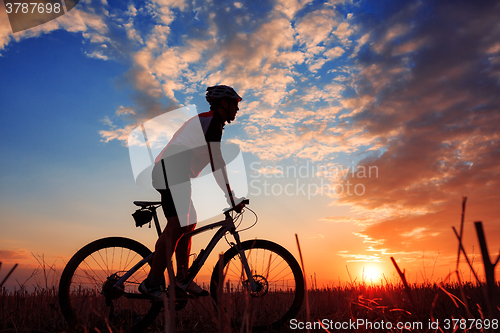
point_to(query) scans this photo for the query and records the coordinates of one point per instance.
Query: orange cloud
(14, 256)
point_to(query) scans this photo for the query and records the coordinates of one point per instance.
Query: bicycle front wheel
(87, 295)
(279, 280)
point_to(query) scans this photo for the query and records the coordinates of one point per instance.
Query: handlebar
(238, 208)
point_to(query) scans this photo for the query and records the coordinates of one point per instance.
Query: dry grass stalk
(491, 293)
(223, 315)
(306, 294)
(465, 255)
(462, 295)
(405, 283)
(352, 282)
(8, 274)
(323, 326)
(464, 201)
(220, 312)
(170, 300)
(489, 269)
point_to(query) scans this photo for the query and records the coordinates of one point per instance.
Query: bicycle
(99, 285)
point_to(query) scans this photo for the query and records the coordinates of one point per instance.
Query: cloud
(242, 60)
(351, 257)
(395, 31)
(15, 256)
(430, 98)
(258, 59)
(258, 55)
(125, 110)
(5, 29)
(114, 133)
(348, 219)
(315, 27)
(334, 53)
(318, 236)
(343, 31)
(290, 7)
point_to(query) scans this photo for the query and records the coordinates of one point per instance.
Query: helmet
(221, 91)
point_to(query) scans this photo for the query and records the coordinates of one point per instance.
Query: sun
(372, 274)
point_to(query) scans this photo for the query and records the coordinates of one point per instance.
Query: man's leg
(165, 247)
(175, 212)
(183, 249)
(182, 252)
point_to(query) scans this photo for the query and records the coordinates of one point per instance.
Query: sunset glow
(372, 274)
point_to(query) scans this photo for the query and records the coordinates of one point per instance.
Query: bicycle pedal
(179, 293)
(196, 296)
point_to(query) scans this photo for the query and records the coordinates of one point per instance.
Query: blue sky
(410, 88)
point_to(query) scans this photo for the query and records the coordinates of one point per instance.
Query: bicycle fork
(253, 286)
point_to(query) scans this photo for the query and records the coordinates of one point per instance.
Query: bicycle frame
(226, 225)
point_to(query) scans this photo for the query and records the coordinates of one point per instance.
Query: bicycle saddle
(144, 204)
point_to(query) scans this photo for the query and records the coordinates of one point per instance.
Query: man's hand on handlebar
(239, 207)
(233, 200)
(240, 203)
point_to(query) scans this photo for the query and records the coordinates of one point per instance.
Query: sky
(362, 126)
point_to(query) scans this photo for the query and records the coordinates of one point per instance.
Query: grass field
(38, 311)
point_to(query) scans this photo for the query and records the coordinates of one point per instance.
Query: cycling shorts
(182, 198)
(175, 188)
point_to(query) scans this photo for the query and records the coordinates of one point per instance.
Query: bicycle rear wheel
(86, 293)
(280, 281)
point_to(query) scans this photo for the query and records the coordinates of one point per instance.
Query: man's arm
(219, 170)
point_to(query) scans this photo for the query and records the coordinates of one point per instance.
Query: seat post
(157, 223)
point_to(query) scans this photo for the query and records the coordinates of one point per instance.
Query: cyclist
(195, 145)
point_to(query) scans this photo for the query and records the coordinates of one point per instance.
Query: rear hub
(109, 291)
